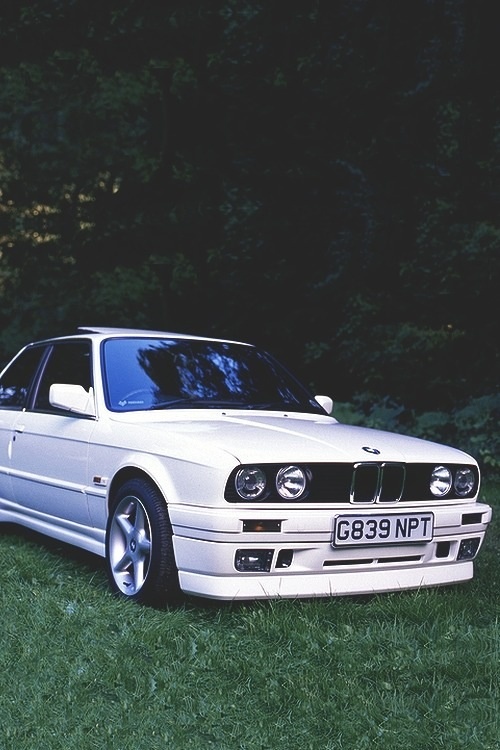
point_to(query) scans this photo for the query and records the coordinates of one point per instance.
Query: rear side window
(16, 380)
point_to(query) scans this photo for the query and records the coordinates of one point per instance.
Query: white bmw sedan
(203, 466)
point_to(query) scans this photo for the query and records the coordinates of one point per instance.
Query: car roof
(112, 331)
(101, 333)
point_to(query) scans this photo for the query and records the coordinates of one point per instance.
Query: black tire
(140, 557)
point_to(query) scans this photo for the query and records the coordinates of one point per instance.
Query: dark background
(320, 177)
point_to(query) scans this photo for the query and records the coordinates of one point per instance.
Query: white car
(203, 466)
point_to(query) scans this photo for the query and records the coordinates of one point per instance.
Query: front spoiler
(340, 583)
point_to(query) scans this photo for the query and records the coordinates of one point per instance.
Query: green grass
(79, 669)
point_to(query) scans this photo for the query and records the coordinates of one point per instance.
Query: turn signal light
(256, 525)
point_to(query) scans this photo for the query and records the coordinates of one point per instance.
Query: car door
(15, 385)
(49, 451)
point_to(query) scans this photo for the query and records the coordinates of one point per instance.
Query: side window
(16, 380)
(69, 362)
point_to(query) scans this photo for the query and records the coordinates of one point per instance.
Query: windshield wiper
(192, 402)
(184, 401)
(197, 403)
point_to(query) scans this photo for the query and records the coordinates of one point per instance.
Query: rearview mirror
(326, 402)
(73, 398)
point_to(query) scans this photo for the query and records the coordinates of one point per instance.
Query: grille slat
(365, 483)
(373, 482)
(393, 484)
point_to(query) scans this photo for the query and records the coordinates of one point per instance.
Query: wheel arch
(124, 475)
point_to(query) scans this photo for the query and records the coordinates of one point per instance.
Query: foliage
(472, 427)
(316, 177)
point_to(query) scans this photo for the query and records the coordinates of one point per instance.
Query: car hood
(275, 437)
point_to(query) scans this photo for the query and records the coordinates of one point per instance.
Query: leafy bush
(472, 427)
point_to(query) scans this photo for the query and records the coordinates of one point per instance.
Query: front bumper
(207, 541)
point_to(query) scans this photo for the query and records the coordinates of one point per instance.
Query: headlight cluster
(461, 479)
(289, 482)
(359, 483)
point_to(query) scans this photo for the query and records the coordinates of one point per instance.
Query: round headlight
(291, 482)
(250, 483)
(441, 480)
(464, 482)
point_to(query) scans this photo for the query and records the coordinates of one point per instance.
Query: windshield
(145, 373)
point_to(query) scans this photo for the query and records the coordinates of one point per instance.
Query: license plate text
(378, 529)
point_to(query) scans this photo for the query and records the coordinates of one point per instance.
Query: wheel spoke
(144, 547)
(140, 519)
(123, 522)
(123, 565)
(138, 572)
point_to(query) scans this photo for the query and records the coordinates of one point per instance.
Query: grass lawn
(79, 669)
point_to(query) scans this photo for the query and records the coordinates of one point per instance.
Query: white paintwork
(57, 470)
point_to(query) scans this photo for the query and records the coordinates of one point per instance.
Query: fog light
(468, 549)
(253, 560)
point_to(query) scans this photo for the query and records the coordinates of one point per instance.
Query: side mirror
(73, 398)
(326, 402)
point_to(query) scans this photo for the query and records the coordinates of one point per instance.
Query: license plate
(350, 530)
